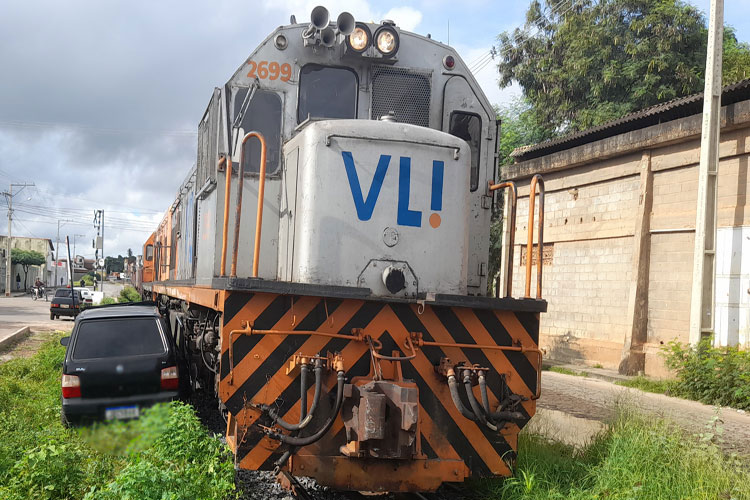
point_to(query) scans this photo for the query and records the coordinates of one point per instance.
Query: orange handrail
(261, 192)
(537, 179)
(513, 197)
(225, 160)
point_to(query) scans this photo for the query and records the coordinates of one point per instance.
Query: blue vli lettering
(405, 216)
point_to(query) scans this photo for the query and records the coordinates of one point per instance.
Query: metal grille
(404, 92)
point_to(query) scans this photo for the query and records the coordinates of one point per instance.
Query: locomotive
(324, 264)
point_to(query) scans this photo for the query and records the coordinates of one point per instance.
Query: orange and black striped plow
(396, 359)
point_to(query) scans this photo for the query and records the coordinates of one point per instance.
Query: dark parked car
(66, 302)
(119, 360)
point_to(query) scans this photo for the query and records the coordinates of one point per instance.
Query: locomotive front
(343, 318)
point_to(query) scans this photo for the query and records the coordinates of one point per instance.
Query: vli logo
(405, 216)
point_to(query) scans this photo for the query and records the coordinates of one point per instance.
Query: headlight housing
(359, 39)
(386, 40)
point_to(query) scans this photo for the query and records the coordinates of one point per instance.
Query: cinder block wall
(591, 218)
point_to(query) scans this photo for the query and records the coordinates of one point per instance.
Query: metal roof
(653, 115)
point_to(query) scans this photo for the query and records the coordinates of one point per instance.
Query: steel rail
(537, 179)
(511, 186)
(227, 162)
(238, 209)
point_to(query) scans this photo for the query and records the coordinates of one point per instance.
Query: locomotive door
(261, 111)
(464, 116)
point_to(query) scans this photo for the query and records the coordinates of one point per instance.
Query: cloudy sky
(100, 99)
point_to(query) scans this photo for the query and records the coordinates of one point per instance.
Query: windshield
(326, 92)
(120, 337)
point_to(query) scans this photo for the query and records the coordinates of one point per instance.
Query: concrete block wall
(588, 233)
(670, 277)
(599, 197)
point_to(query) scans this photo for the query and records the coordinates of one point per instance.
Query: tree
(518, 127)
(736, 60)
(26, 258)
(596, 60)
(113, 264)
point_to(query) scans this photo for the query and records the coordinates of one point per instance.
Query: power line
(87, 224)
(44, 192)
(97, 130)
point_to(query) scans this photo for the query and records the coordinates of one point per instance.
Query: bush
(712, 375)
(88, 279)
(107, 300)
(129, 294)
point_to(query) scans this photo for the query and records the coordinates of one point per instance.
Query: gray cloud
(132, 77)
(96, 99)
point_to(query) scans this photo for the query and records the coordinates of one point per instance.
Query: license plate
(64, 306)
(121, 413)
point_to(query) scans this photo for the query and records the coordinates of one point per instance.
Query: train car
(324, 264)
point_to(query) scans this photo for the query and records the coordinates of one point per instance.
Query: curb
(14, 336)
(590, 372)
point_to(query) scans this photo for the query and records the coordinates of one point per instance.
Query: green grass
(648, 384)
(165, 454)
(568, 371)
(636, 457)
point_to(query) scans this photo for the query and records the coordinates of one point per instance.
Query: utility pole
(704, 254)
(74, 243)
(9, 197)
(74, 250)
(99, 242)
(57, 247)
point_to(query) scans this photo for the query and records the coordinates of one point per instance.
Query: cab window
(149, 252)
(468, 126)
(326, 92)
(262, 114)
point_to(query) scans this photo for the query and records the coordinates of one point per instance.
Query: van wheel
(51, 316)
(64, 421)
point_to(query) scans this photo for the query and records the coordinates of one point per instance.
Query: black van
(119, 360)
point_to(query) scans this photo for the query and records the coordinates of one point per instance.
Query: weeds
(634, 458)
(648, 384)
(568, 371)
(164, 454)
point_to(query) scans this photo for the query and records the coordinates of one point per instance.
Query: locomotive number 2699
(271, 70)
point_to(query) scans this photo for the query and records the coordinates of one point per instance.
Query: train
(324, 264)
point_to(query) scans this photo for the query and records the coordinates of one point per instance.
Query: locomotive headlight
(359, 39)
(386, 40)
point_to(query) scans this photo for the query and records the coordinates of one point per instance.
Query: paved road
(18, 312)
(574, 402)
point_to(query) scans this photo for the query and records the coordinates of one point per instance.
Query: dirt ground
(26, 346)
(587, 399)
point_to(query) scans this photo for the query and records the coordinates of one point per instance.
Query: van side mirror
(65, 341)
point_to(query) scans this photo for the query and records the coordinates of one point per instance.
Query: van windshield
(120, 337)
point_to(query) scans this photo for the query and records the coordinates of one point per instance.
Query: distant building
(619, 230)
(42, 245)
